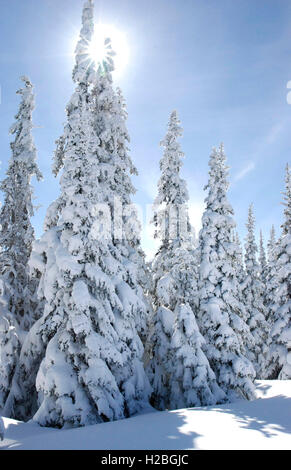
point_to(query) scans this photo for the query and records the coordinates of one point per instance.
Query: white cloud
(274, 133)
(247, 169)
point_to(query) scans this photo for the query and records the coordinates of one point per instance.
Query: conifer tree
(89, 350)
(239, 262)
(2, 430)
(9, 352)
(253, 290)
(239, 269)
(18, 309)
(179, 371)
(271, 243)
(271, 276)
(271, 287)
(262, 261)
(221, 316)
(17, 234)
(193, 382)
(264, 269)
(281, 331)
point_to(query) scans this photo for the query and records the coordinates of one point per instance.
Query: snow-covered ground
(264, 423)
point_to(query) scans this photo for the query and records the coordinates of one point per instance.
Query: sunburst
(107, 42)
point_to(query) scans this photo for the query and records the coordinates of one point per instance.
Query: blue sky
(223, 64)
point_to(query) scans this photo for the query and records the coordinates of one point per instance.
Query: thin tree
(253, 290)
(271, 277)
(221, 316)
(18, 302)
(262, 260)
(281, 331)
(179, 371)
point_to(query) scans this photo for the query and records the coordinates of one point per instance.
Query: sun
(99, 52)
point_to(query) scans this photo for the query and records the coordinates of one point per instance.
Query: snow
(264, 423)
(2, 429)
(76, 356)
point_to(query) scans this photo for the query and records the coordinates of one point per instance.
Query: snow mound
(264, 423)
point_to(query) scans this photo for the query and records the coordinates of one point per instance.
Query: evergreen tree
(253, 290)
(271, 276)
(2, 429)
(270, 300)
(239, 268)
(17, 234)
(239, 262)
(262, 261)
(221, 316)
(193, 382)
(18, 290)
(89, 350)
(179, 371)
(281, 331)
(9, 352)
(271, 243)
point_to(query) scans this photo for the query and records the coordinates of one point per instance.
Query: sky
(224, 65)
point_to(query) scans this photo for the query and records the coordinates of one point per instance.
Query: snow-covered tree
(271, 276)
(262, 260)
(271, 244)
(130, 223)
(9, 352)
(281, 331)
(2, 429)
(17, 234)
(171, 219)
(193, 382)
(221, 316)
(238, 264)
(172, 196)
(253, 292)
(179, 371)
(18, 304)
(270, 298)
(87, 341)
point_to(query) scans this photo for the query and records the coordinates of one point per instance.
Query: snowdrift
(264, 423)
